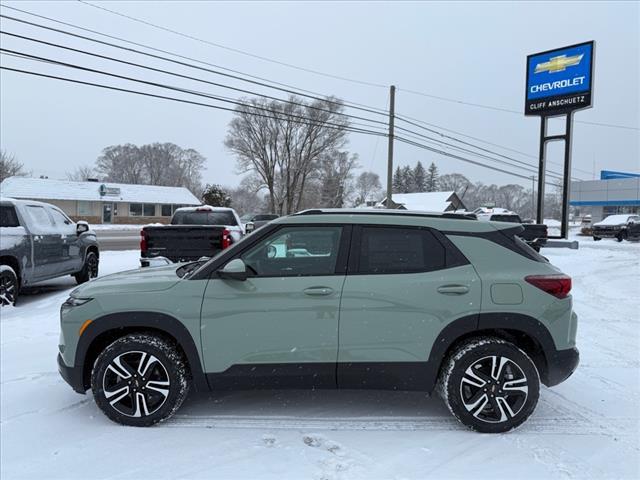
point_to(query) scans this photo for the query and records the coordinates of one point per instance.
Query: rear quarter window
(8, 216)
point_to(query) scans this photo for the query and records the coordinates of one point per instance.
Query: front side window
(59, 218)
(295, 251)
(385, 250)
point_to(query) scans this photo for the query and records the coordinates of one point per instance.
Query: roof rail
(381, 211)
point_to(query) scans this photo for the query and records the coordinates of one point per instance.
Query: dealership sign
(560, 80)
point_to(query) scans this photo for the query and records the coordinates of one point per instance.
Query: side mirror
(249, 227)
(234, 270)
(82, 227)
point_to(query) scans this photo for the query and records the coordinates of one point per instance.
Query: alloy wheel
(8, 288)
(136, 384)
(494, 389)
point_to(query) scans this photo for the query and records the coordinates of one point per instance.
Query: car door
(70, 260)
(47, 242)
(279, 327)
(404, 285)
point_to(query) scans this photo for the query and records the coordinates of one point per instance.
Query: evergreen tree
(397, 183)
(216, 196)
(419, 178)
(407, 179)
(432, 178)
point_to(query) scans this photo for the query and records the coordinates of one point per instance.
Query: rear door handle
(453, 289)
(318, 291)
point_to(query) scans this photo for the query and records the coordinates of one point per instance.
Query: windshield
(204, 217)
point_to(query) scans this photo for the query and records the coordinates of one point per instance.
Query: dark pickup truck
(194, 232)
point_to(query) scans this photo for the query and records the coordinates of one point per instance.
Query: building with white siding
(103, 202)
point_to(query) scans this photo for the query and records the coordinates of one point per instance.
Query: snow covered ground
(587, 427)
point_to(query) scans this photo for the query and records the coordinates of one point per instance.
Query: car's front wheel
(489, 385)
(621, 236)
(8, 286)
(140, 380)
(595, 239)
(89, 269)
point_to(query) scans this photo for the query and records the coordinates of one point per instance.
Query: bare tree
(335, 178)
(121, 163)
(82, 174)
(10, 166)
(283, 145)
(368, 187)
(455, 182)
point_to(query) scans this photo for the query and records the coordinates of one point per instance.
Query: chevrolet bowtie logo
(558, 64)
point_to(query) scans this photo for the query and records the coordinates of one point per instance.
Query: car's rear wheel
(489, 385)
(140, 380)
(8, 285)
(595, 239)
(89, 269)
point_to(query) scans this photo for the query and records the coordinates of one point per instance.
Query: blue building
(615, 192)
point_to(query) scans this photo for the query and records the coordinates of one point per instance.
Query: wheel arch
(12, 262)
(104, 330)
(526, 332)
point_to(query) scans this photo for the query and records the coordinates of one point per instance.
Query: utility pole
(392, 107)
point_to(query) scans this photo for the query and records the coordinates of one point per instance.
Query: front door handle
(318, 291)
(453, 289)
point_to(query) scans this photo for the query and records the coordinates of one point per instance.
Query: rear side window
(385, 250)
(8, 217)
(204, 217)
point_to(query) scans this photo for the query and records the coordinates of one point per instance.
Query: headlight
(74, 302)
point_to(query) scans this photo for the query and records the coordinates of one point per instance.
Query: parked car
(39, 242)
(253, 222)
(585, 225)
(368, 300)
(194, 232)
(535, 234)
(614, 226)
(633, 231)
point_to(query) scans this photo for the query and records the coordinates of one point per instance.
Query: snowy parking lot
(587, 427)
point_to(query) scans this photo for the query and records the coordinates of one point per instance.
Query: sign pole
(542, 168)
(566, 179)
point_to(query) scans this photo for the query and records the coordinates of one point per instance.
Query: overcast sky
(473, 52)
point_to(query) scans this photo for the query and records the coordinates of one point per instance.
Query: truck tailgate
(182, 242)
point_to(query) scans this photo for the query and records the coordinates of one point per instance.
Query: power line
(287, 88)
(404, 117)
(235, 50)
(217, 107)
(448, 154)
(502, 109)
(511, 159)
(168, 87)
(175, 74)
(191, 102)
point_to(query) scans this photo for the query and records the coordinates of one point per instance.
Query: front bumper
(605, 233)
(71, 375)
(560, 365)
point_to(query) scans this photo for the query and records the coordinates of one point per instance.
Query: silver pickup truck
(39, 242)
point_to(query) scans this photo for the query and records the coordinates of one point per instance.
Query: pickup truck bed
(183, 243)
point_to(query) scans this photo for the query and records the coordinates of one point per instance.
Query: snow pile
(586, 427)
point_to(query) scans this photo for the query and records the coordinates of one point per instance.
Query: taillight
(557, 285)
(226, 238)
(143, 241)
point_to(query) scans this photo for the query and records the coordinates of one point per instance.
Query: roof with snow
(427, 201)
(46, 189)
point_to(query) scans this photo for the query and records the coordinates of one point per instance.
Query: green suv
(367, 299)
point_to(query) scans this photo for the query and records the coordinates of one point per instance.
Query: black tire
(89, 269)
(9, 286)
(595, 239)
(477, 397)
(621, 236)
(143, 398)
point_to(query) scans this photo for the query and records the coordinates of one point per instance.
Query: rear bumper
(71, 375)
(560, 365)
